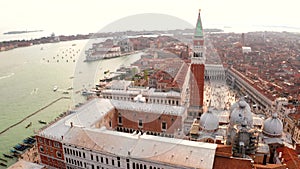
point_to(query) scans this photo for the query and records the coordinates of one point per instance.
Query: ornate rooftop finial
(274, 115)
(242, 104)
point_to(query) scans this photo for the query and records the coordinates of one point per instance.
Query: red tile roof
(290, 157)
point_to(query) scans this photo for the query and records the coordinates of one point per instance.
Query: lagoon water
(28, 76)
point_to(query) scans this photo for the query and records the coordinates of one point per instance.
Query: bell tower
(197, 71)
(198, 43)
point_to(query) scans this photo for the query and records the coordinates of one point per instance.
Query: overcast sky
(92, 15)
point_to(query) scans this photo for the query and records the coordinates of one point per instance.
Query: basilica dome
(241, 113)
(273, 126)
(209, 121)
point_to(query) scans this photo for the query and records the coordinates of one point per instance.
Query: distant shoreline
(21, 32)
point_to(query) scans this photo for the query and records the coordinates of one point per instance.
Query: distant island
(20, 32)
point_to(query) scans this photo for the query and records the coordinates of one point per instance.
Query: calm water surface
(28, 76)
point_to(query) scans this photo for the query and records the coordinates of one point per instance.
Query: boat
(73, 44)
(29, 140)
(3, 160)
(15, 153)
(42, 122)
(86, 92)
(70, 88)
(65, 92)
(27, 145)
(2, 164)
(28, 125)
(105, 72)
(21, 147)
(55, 88)
(8, 156)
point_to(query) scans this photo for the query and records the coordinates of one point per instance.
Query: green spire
(199, 29)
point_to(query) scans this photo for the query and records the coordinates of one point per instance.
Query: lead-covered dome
(241, 113)
(273, 126)
(209, 121)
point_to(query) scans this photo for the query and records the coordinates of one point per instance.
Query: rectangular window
(56, 144)
(163, 126)
(83, 155)
(106, 160)
(140, 123)
(92, 157)
(119, 163)
(113, 162)
(120, 121)
(97, 158)
(40, 140)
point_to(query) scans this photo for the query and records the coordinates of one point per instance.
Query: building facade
(50, 151)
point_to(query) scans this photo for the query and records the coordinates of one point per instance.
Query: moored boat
(28, 125)
(55, 88)
(7, 156)
(20, 147)
(2, 164)
(29, 140)
(3, 160)
(15, 153)
(42, 122)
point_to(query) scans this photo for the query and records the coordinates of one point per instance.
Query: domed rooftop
(236, 104)
(241, 113)
(209, 121)
(273, 126)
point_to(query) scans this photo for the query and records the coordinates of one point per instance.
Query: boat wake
(6, 76)
(34, 91)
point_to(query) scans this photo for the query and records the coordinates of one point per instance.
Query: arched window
(41, 149)
(58, 154)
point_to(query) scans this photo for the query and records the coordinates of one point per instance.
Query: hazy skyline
(93, 15)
